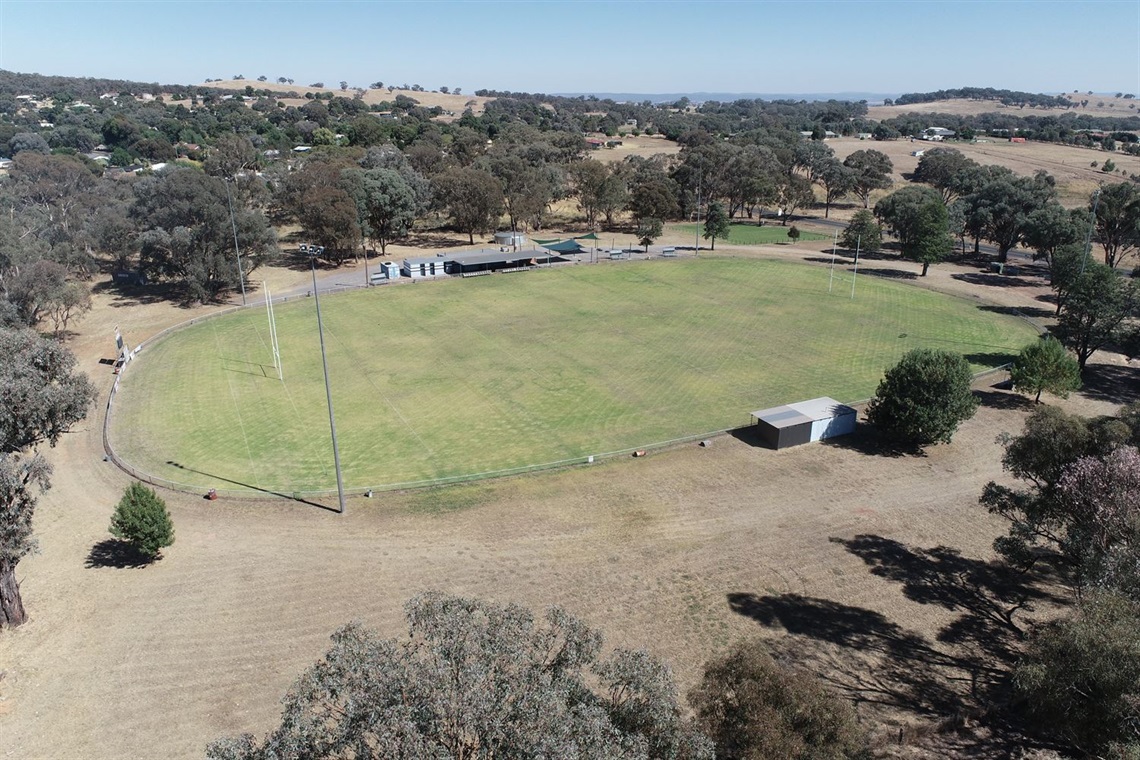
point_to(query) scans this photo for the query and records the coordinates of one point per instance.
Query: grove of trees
(478, 680)
(43, 397)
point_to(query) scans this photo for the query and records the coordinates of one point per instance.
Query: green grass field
(750, 234)
(472, 376)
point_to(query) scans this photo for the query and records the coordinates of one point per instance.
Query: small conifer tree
(141, 519)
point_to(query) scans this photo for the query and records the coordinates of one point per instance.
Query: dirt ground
(834, 552)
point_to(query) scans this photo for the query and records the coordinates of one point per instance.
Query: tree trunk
(925, 267)
(826, 209)
(11, 606)
(470, 237)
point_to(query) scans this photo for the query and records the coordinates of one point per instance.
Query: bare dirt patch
(681, 551)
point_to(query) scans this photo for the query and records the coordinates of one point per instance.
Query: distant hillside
(13, 83)
(1005, 97)
(1083, 105)
(729, 97)
(295, 94)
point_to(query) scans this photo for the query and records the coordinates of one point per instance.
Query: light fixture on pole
(314, 251)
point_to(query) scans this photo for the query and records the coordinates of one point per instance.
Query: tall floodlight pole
(237, 252)
(697, 234)
(1092, 226)
(314, 250)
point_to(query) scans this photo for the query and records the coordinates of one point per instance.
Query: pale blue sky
(585, 46)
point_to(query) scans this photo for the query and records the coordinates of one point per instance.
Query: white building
(423, 267)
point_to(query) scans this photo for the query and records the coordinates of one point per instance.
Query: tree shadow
(1003, 399)
(1114, 383)
(869, 441)
(136, 295)
(989, 594)
(299, 262)
(863, 654)
(1029, 312)
(894, 274)
(437, 241)
(991, 359)
(994, 280)
(115, 553)
(961, 671)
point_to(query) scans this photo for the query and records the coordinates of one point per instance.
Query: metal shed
(814, 420)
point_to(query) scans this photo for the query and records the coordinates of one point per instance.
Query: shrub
(754, 709)
(141, 520)
(1046, 366)
(1079, 680)
(923, 398)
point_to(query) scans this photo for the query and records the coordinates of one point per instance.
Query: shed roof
(781, 417)
(822, 408)
(485, 256)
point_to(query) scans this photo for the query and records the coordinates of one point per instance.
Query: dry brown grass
(1112, 107)
(681, 551)
(1069, 164)
(446, 101)
(643, 146)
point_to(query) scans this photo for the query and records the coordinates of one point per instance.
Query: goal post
(274, 348)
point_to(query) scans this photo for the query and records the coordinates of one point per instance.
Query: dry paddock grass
(1112, 106)
(827, 550)
(1069, 165)
(427, 99)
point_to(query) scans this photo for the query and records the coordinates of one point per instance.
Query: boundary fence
(252, 492)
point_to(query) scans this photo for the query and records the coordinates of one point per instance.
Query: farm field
(1099, 105)
(750, 234)
(480, 376)
(1069, 165)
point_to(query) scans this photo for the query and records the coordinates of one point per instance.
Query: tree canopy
(872, 171)
(187, 233)
(42, 398)
(1117, 220)
(754, 709)
(924, 397)
(478, 680)
(141, 519)
(1045, 365)
(1097, 304)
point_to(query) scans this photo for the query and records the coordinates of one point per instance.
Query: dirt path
(682, 551)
